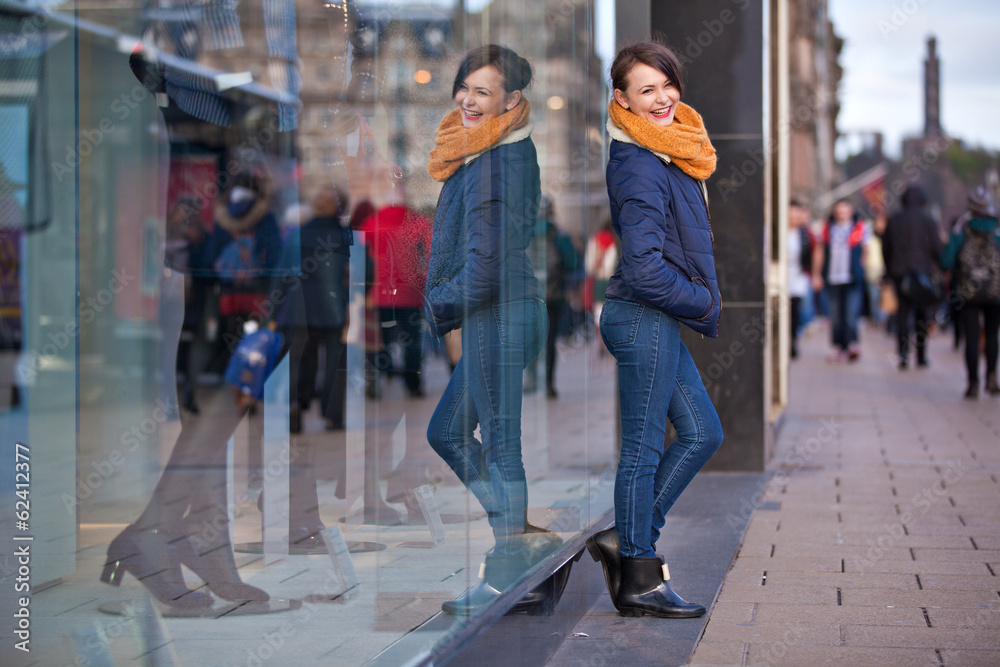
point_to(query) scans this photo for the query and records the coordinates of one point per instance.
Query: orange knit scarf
(685, 140)
(455, 142)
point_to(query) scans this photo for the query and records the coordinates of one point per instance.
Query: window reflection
(256, 376)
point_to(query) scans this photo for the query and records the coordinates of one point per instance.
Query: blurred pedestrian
(874, 267)
(553, 249)
(840, 269)
(659, 159)
(314, 307)
(242, 251)
(973, 253)
(800, 261)
(911, 247)
(399, 242)
(600, 261)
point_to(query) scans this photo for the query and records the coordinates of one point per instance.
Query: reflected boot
(152, 558)
(542, 600)
(499, 574)
(538, 542)
(645, 589)
(992, 388)
(217, 568)
(604, 548)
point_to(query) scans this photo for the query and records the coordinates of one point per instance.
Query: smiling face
(650, 94)
(482, 97)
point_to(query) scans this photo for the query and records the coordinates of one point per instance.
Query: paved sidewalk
(877, 540)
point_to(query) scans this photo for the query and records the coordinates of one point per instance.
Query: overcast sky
(884, 51)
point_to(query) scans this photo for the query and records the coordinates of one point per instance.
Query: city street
(876, 541)
(873, 541)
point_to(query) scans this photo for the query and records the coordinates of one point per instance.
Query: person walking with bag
(973, 254)
(660, 157)
(911, 247)
(480, 280)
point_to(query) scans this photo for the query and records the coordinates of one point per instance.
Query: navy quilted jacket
(659, 213)
(484, 221)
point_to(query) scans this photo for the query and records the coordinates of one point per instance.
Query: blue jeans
(486, 389)
(845, 308)
(657, 381)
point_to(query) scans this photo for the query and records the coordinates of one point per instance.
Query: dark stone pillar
(631, 21)
(721, 43)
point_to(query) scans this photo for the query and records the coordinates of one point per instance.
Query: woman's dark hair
(515, 71)
(654, 54)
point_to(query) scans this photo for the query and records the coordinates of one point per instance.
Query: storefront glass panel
(246, 443)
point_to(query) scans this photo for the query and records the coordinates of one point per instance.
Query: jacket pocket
(694, 280)
(711, 297)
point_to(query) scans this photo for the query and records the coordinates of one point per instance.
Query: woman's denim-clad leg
(486, 389)
(657, 381)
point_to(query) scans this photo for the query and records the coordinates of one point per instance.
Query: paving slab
(838, 614)
(878, 544)
(919, 598)
(968, 658)
(779, 655)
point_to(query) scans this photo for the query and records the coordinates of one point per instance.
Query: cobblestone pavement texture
(877, 539)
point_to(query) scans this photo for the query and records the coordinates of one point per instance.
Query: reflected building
(404, 60)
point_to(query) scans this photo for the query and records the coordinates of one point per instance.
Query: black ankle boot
(645, 591)
(604, 548)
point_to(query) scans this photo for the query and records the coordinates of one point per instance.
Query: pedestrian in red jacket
(399, 243)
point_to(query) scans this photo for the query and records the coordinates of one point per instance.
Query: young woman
(660, 157)
(480, 280)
